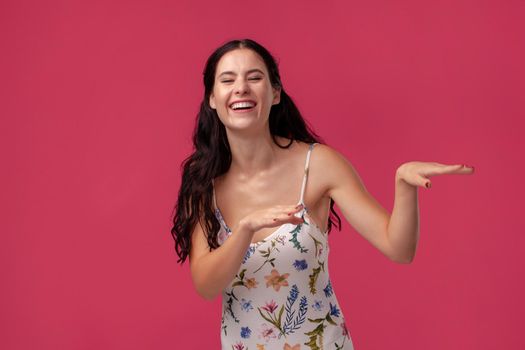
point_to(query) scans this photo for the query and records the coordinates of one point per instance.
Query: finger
(424, 182)
(286, 217)
(459, 169)
(295, 209)
(451, 169)
(294, 220)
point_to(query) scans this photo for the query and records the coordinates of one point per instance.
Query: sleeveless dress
(282, 297)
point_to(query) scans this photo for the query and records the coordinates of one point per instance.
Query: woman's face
(241, 75)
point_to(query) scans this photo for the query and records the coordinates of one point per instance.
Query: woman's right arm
(213, 271)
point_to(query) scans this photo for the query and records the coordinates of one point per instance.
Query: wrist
(399, 174)
(245, 227)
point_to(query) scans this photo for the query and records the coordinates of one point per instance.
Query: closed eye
(229, 80)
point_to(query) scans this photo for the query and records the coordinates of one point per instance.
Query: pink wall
(98, 100)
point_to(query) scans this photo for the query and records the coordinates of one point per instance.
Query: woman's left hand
(418, 173)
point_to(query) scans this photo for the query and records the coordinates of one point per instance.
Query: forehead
(240, 61)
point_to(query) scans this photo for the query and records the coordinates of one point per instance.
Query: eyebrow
(248, 72)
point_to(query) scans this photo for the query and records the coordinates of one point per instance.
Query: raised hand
(418, 173)
(272, 217)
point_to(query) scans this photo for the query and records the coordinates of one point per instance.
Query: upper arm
(199, 248)
(357, 205)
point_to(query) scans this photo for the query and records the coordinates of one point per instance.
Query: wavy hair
(212, 156)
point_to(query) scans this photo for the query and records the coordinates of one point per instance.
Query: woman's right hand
(272, 217)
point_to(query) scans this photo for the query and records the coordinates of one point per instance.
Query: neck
(253, 153)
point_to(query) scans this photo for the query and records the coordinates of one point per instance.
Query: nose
(241, 87)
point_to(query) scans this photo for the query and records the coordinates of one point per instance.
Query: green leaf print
(266, 318)
(317, 320)
(317, 245)
(280, 315)
(314, 275)
(313, 278)
(329, 319)
(316, 335)
(340, 347)
(238, 281)
(294, 239)
(266, 254)
(270, 317)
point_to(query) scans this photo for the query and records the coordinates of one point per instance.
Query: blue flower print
(318, 305)
(246, 305)
(246, 332)
(328, 291)
(249, 252)
(334, 311)
(300, 265)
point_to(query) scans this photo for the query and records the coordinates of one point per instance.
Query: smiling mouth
(243, 110)
(243, 107)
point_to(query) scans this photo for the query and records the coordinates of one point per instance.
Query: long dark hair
(212, 155)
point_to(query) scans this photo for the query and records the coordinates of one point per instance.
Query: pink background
(98, 100)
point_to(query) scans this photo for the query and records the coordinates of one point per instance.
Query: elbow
(208, 296)
(403, 259)
(202, 288)
(205, 293)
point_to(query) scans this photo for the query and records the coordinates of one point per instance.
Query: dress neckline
(268, 238)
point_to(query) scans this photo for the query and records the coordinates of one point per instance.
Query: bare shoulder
(335, 169)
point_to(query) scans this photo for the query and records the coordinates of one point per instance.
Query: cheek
(221, 98)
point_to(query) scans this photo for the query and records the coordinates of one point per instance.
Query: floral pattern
(282, 296)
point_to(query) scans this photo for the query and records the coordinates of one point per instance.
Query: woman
(256, 205)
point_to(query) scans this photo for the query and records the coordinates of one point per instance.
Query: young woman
(256, 205)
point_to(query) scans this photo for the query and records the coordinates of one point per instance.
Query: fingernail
(289, 214)
(274, 219)
(428, 185)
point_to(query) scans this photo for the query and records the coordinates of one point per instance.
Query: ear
(212, 101)
(276, 96)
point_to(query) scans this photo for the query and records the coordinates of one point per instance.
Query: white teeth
(242, 104)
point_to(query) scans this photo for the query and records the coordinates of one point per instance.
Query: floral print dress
(282, 297)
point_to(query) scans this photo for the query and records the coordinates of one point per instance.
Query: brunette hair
(212, 155)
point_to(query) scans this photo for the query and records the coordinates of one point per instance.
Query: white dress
(282, 297)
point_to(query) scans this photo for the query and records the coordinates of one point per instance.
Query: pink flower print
(345, 330)
(222, 236)
(267, 332)
(238, 346)
(280, 239)
(251, 283)
(289, 347)
(270, 306)
(276, 280)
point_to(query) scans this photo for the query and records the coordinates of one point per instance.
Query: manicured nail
(289, 214)
(274, 219)
(428, 185)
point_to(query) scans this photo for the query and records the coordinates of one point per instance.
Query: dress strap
(306, 168)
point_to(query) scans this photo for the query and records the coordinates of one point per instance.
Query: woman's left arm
(395, 235)
(403, 226)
